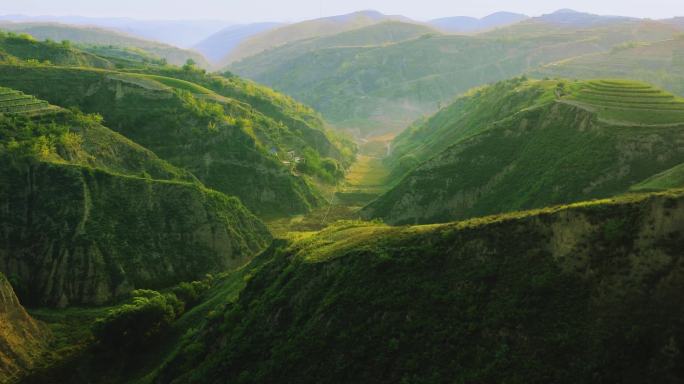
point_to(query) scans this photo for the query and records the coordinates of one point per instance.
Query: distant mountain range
(90, 35)
(181, 33)
(219, 45)
(223, 42)
(466, 24)
(574, 18)
(316, 28)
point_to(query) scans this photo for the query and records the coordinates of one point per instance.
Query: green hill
(89, 215)
(672, 178)
(386, 87)
(564, 295)
(378, 34)
(660, 63)
(125, 57)
(580, 293)
(25, 47)
(550, 142)
(103, 37)
(305, 30)
(234, 147)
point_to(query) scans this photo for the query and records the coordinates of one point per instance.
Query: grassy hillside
(231, 146)
(565, 295)
(124, 57)
(371, 88)
(98, 36)
(469, 114)
(303, 124)
(89, 215)
(660, 63)
(672, 178)
(379, 34)
(26, 48)
(553, 142)
(305, 30)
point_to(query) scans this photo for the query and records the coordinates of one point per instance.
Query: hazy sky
(293, 10)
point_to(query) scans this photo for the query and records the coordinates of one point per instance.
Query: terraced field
(14, 102)
(629, 102)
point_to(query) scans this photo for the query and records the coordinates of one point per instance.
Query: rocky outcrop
(22, 339)
(75, 235)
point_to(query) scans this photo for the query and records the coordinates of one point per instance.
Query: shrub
(191, 293)
(149, 314)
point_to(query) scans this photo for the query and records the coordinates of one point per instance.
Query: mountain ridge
(599, 136)
(466, 24)
(416, 302)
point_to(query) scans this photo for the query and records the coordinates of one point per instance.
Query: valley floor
(366, 179)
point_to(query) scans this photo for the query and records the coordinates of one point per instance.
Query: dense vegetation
(103, 37)
(548, 142)
(89, 215)
(573, 294)
(232, 146)
(565, 295)
(25, 47)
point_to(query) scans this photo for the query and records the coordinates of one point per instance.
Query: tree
(189, 65)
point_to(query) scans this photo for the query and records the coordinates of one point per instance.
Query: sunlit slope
(660, 63)
(378, 34)
(586, 293)
(228, 144)
(12, 102)
(387, 86)
(22, 339)
(628, 102)
(24, 47)
(89, 215)
(99, 36)
(552, 142)
(304, 30)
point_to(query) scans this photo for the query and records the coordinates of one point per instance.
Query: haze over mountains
(464, 24)
(181, 33)
(224, 42)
